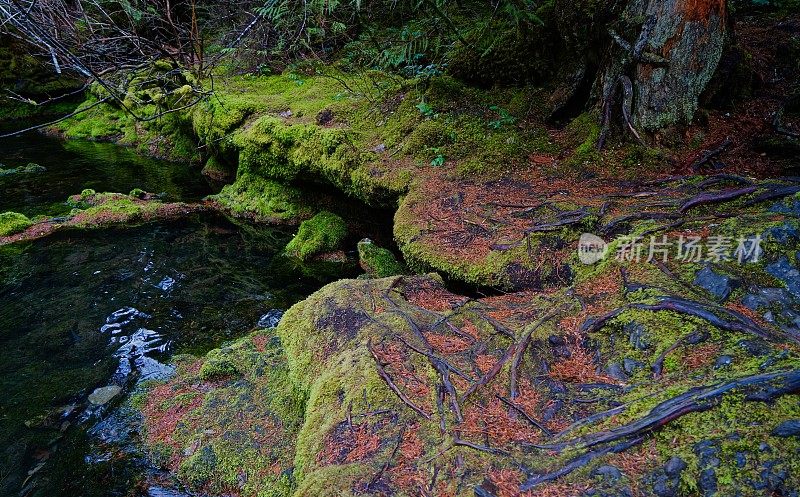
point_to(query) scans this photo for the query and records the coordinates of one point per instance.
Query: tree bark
(669, 49)
(655, 58)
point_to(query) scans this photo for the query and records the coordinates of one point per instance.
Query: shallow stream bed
(83, 310)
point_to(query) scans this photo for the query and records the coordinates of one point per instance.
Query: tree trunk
(668, 50)
(659, 54)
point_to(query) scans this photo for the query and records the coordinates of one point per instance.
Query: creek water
(82, 310)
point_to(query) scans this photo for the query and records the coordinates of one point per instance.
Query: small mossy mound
(254, 197)
(324, 232)
(13, 222)
(30, 168)
(376, 261)
(217, 365)
(216, 169)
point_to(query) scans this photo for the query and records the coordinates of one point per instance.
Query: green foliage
(504, 118)
(13, 222)
(322, 233)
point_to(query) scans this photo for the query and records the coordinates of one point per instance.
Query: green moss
(239, 433)
(217, 365)
(585, 131)
(378, 262)
(216, 169)
(264, 200)
(322, 233)
(13, 222)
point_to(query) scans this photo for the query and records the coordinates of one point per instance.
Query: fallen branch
(709, 155)
(482, 448)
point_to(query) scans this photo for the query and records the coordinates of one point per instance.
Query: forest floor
(670, 367)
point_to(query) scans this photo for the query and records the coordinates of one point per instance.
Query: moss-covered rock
(254, 197)
(13, 222)
(376, 261)
(324, 232)
(237, 428)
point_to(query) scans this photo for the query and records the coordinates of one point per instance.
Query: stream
(82, 310)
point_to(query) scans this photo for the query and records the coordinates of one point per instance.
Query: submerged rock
(104, 395)
(270, 319)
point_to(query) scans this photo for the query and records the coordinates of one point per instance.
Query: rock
(324, 117)
(637, 336)
(379, 148)
(790, 275)
(764, 297)
(286, 113)
(615, 371)
(697, 337)
(103, 395)
(783, 234)
(716, 284)
(664, 487)
(608, 472)
(789, 428)
(556, 340)
(631, 365)
(723, 361)
(753, 302)
(674, 466)
(755, 348)
(707, 451)
(562, 352)
(708, 482)
(791, 208)
(764, 447)
(741, 460)
(270, 319)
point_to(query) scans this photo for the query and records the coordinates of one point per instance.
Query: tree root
(578, 463)
(525, 415)
(762, 388)
(736, 321)
(623, 82)
(392, 386)
(715, 198)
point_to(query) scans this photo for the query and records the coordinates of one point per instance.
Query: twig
(63, 118)
(490, 450)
